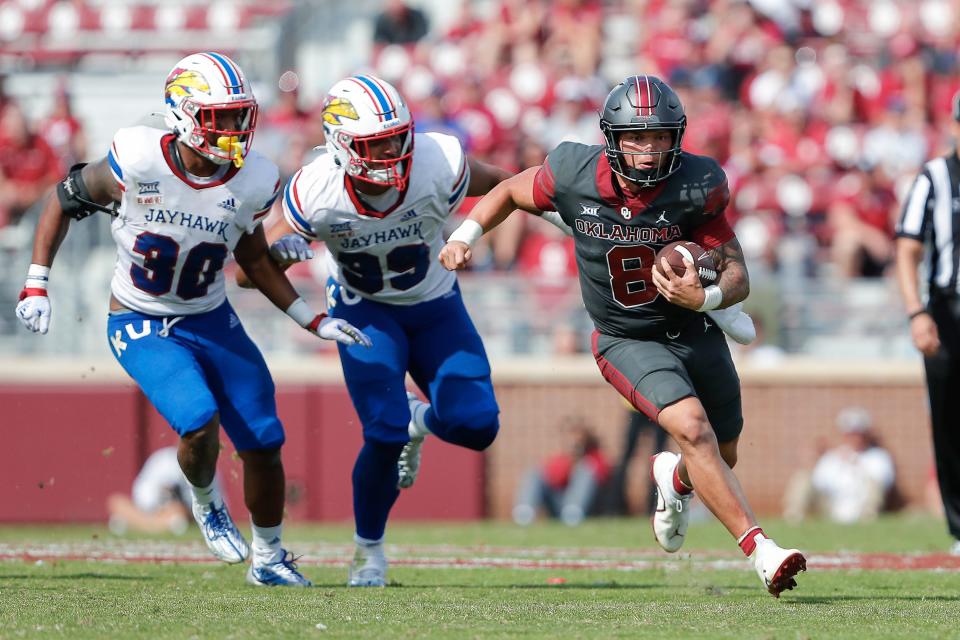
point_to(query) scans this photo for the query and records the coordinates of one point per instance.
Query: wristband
(919, 312)
(301, 312)
(467, 233)
(713, 296)
(37, 277)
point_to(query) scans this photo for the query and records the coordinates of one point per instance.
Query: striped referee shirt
(931, 214)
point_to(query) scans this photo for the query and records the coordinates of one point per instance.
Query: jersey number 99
(362, 271)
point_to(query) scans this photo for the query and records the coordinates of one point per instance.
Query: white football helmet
(211, 107)
(369, 130)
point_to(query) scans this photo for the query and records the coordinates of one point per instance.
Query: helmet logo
(184, 82)
(337, 108)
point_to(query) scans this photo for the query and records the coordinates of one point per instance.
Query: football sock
(207, 495)
(418, 421)
(266, 543)
(748, 541)
(363, 542)
(679, 485)
(375, 487)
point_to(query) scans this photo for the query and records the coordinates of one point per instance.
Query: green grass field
(487, 580)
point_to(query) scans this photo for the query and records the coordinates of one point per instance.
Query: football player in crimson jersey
(189, 195)
(653, 342)
(379, 199)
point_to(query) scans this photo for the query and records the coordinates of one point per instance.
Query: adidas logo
(234, 321)
(409, 215)
(229, 204)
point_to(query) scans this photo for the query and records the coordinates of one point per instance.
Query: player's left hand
(291, 249)
(340, 330)
(684, 291)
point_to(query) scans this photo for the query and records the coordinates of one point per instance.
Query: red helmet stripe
(636, 81)
(649, 97)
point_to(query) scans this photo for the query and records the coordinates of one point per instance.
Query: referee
(929, 230)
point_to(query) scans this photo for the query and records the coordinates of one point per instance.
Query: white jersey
(390, 256)
(173, 232)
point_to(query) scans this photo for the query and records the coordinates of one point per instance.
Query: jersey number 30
(160, 253)
(631, 275)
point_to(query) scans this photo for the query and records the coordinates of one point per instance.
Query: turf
(679, 597)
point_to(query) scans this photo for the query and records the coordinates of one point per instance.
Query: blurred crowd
(820, 111)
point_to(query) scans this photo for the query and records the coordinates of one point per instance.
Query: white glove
(34, 310)
(735, 323)
(336, 329)
(291, 248)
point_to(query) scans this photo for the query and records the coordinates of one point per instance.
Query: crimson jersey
(617, 235)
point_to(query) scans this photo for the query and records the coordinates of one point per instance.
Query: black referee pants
(943, 383)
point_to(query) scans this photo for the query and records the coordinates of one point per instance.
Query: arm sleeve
(259, 215)
(453, 168)
(294, 199)
(544, 187)
(117, 156)
(715, 230)
(917, 209)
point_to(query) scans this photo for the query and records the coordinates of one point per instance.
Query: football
(675, 252)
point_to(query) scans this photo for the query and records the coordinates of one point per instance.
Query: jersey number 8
(631, 275)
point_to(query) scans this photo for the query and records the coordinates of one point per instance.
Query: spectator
(400, 23)
(567, 483)
(851, 482)
(159, 500)
(28, 166)
(63, 131)
(861, 224)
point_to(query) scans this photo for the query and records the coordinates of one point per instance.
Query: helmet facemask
(666, 162)
(374, 160)
(221, 133)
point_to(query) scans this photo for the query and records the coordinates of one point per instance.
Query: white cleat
(408, 465)
(955, 549)
(777, 567)
(222, 536)
(277, 574)
(369, 567)
(672, 517)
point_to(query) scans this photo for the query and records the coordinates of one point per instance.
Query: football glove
(290, 249)
(336, 329)
(34, 310)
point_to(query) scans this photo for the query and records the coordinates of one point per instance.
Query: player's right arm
(516, 192)
(75, 197)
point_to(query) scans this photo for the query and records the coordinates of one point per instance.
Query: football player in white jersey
(379, 199)
(188, 197)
